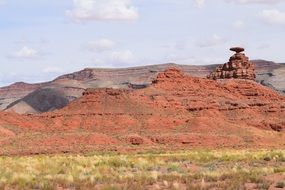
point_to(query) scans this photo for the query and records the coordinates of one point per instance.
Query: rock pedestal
(238, 67)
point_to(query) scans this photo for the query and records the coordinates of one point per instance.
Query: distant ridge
(16, 97)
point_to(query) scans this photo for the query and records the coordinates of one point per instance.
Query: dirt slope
(176, 112)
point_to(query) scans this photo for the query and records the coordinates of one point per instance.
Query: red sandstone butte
(238, 66)
(175, 112)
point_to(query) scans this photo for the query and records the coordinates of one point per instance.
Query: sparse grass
(199, 169)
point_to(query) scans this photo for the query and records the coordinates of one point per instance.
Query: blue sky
(41, 39)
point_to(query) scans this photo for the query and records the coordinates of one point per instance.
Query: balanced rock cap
(237, 49)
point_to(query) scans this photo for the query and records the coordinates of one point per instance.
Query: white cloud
(255, 1)
(87, 10)
(238, 24)
(101, 45)
(26, 53)
(199, 3)
(213, 41)
(273, 17)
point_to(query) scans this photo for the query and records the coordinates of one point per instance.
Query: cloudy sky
(41, 39)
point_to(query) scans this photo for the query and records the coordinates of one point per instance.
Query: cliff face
(176, 111)
(24, 98)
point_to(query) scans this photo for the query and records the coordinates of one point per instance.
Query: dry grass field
(196, 169)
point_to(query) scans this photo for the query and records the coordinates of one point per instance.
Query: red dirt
(175, 112)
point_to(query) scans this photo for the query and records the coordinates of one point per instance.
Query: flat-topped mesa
(238, 67)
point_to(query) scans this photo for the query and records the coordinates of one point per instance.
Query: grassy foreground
(201, 169)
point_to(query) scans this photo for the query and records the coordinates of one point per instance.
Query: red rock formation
(177, 111)
(238, 66)
(22, 98)
(172, 74)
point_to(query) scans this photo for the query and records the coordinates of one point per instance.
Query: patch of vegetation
(197, 169)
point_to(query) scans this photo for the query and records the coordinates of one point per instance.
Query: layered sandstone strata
(176, 112)
(23, 98)
(238, 66)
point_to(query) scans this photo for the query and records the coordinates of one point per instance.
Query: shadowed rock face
(71, 86)
(15, 92)
(176, 111)
(41, 100)
(238, 67)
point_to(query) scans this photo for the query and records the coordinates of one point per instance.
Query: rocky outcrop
(172, 100)
(238, 67)
(72, 85)
(176, 111)
(172, 73)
